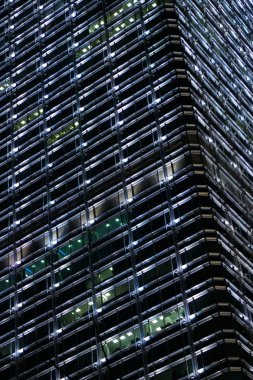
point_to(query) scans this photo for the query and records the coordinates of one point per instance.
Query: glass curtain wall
(113, 251)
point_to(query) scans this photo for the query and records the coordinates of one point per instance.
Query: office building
(126, 189)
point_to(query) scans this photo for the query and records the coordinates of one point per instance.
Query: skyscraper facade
(126, 189)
